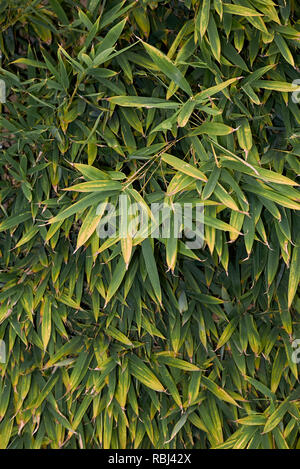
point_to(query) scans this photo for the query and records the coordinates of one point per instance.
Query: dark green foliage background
(184, 349)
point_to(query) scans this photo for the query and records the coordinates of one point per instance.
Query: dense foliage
(142, 342)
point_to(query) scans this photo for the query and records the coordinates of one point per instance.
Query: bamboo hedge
(141, 342)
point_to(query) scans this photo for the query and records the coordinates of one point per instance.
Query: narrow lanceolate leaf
(116, 280)
(118, 335)
(185, 113)
(214, 39)
(278, 368)
(219, 224)
(227, 333)
(276, 86)
(294, 277)
(224, 197)
(177, 363)
(177, 427)
(111, 37)
(252, 420)
(151, 268)
(125, 234)
(143, 374)
(90, 224)
(30, 62)
(79, 371)
(258, 172)
(204, 17)
(273, 196)
(212, 128)
(168, 68)
(46, 321)
(81, 411)
(90, 172)
(6, 427)
(240, 10)
(276, 416)
(214, 89)
(184, 167)
(79, 206)
(96, 186)
(27, 236)
(172, 244)
(244, 135)
(284, 49)
(211, 183)
(14, 221)
(218, 391)
(44, 392)
(141, 102)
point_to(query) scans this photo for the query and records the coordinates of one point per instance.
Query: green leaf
(96, 186)
(277, 416)
(204, 17)
(212, 128)
(177, 363)
(276, 86)
(140, 102)
(168, 68)
(13, 222)
(185, 168)
(284, 50)
(79, 206)
(240, 10)
(46, 321)
(143, 374)
(294, 277)
(218, 391)
(151, 267)
(116, 280)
